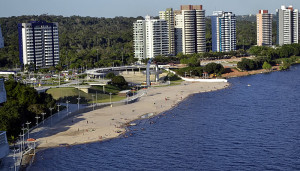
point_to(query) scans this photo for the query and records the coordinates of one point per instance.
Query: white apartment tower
(264, 28)
(223, 31)
(190, 29)
(168, 15)
(39, 44)
(287, 25)
(150, 38)
(1, 39)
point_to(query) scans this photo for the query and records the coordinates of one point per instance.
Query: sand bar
(108, 122)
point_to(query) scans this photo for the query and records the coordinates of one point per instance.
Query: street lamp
(93, 101)
(78, 101)
(43, 117)
(96, 97)
(21, 148)
(23, 142)
(51, 108)
(67, 106)
(37, 120)
(127, 98)
(110, 97)
(28, 123)
(58, 109)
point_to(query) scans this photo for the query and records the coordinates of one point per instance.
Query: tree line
(87, 42)
(284, 55)
(83, 41)
(23, 104)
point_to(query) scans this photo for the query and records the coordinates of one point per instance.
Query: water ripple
(239, 128)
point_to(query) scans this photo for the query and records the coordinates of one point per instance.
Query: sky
(133, 8)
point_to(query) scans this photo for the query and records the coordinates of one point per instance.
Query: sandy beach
(109, 122)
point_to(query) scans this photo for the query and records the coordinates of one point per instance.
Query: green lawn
(72, 93)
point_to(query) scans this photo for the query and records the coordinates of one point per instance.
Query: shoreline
(112, 122)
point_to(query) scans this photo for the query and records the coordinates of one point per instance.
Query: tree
(247, 64)
(23, 104)
(119, 81)
(214, 68)
(267, 66)
(110, 75)
(194, 62)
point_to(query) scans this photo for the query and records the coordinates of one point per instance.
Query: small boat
(249, 85)
(132, 124)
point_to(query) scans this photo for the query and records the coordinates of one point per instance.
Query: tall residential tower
(38, 43)
(190, 29)
(168, 15)
(150, 38)
(223, 31)
(264, 28)
(287, 25)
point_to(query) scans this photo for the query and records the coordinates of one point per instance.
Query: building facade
(287, 25)
(1, 39)
(3, 97)
(168, 15)
(4, 146)
(223, 31)
(39, 44)
(190, 29)
(150, 38)
(264, 28)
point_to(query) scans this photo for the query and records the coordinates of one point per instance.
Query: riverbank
(110, 122)
(233, 72)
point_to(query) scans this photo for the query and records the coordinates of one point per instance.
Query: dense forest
(84, 41)
(23, 104)
(90, 41)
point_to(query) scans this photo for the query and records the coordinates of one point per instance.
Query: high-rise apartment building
(168, 15)
(150, 38)
(39, 44)
(1, 39)
(223, 31)
(190, 29)
(287, 25)
(264, 28)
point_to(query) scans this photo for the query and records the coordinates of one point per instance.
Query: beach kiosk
(31, 145)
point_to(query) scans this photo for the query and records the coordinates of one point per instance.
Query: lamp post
(14, 157)
(58, 109)
(21, 148)
(110, 97)
(67, 106)
(96, 98)
(28, 123)
(93, 101)
(23, 129)
(78, 101)
(51, 108)
(127, 98)
(37, 120)
(43, 117)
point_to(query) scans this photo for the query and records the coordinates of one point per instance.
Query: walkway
(14, 157)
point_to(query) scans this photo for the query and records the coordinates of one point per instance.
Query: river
(252, 125)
